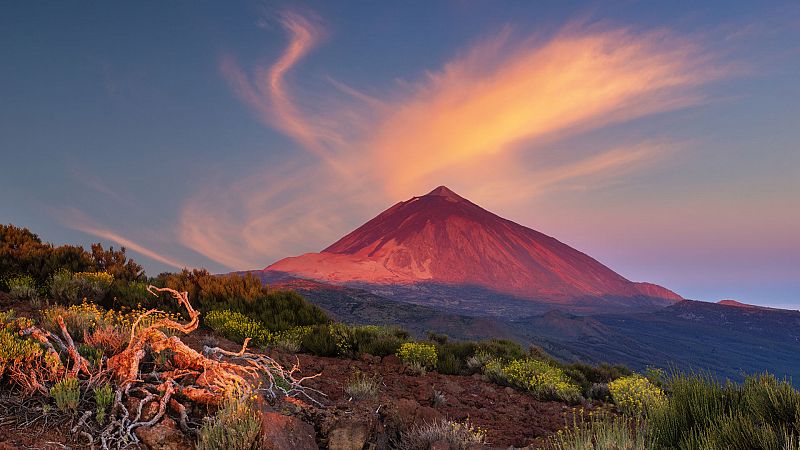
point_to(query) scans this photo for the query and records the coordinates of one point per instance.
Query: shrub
(418, 353)
(103, 396)
(360, 386)
(502, 349)
(343, 337)
(133, 294)
(291, 341)
(458, 435)
(377, 341)
(237, 327)
(635, 395)
(762, 413)
(23, 288)
(86, 317)
(92, 354)
(92, 286)
(319, 341)
(586, 375)
(601, 434)
(236, 426)
(62, 288)
(493, 370)
(449, 364)
(599, 391)
(18, 354)
(66, 393)
(543, 380)
(476, 362)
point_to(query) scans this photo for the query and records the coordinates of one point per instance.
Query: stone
(349, 436)
(163, 435)
(281, 432)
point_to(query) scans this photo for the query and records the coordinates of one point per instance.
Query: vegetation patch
(418, 354)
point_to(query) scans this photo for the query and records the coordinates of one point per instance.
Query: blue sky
(660, 138)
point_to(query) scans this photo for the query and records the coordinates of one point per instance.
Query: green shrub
(585, 375)
(23, 288)
(449, 364)
(601, 434)
(457, 435)
(543, 380)
(377, 341)
(343, 337)
(17, 353)
(502, 349)
(693, 404)
(319, 341)
(361, 386)
(291, 341)
(635, 395)
(237, 327)
(236, 426)
(61, 287)
(134, 294)
(494, 371)
(478, 361)
(418, 353)
(66, 394)
(92, 354)
(92, 286)
(103, 396)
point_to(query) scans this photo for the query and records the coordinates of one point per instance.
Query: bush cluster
(700, 413)
(542, 379)
(71, 288)
(236, 327)
(274, 309)
(23, 253)
(635, 395)
(418, 354)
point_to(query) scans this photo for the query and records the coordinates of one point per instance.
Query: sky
(661, 138)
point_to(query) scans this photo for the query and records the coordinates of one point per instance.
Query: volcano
(444, 238)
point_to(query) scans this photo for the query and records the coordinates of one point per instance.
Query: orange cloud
(500, 97)
(469, 124)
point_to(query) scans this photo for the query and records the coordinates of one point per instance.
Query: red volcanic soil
(445, 238)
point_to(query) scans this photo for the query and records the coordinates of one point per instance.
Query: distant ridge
(442, 237)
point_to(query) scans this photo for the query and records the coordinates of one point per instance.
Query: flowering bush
(418, 353)
(541, 379)
(635, 395)
(237, 327)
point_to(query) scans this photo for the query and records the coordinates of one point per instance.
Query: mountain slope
(444, 238)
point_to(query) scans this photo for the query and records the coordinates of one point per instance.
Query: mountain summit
(441, 237)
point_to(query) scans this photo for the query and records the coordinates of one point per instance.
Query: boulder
(164, 435)
(349, 436)
(279, 432)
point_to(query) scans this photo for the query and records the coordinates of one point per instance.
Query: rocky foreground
(511, 419)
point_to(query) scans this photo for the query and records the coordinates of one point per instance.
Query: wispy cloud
(477, 122)
(77, 220)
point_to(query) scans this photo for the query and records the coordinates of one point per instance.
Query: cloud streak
(76, 220)
(477, 123)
